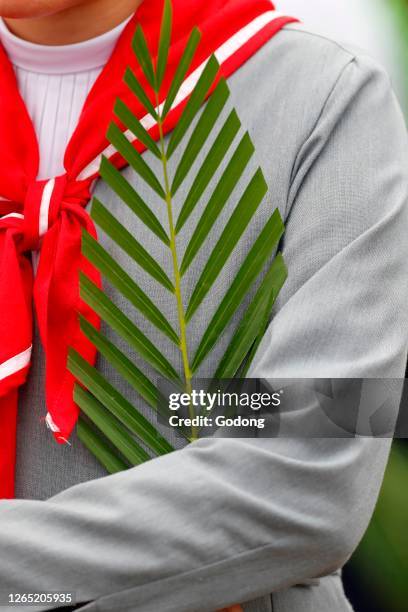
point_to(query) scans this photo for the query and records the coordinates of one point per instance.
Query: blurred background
(378, 26)
(376, 578)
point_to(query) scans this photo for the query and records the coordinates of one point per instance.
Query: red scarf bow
(48, 216)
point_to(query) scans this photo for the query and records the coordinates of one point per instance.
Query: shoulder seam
(294, 27)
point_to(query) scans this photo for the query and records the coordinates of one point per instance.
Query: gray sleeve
(226, 520)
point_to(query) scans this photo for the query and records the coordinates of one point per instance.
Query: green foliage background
(377, 575)
(399, 9)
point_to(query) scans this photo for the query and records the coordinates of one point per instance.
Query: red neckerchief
(48, 215)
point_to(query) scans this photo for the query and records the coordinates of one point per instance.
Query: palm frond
(111, 461)
(114, 428)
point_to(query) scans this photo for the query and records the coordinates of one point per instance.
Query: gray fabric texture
(233, 520)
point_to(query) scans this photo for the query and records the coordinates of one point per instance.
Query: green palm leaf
(142, 53)
(129, 196)
(202, 131)
(165, 35)
(117, 404)
(254, 321)
(123, 112)
(194, 103)
(181, 71)
(210, 165)
(126, 285)
(233, 231)
(122, 325)
(134, 159)
(248, 272)
(219, 198)
(95, 442)
(279, 275)
(115, 429)
(122, 364)
(128, 243)
(135, 86)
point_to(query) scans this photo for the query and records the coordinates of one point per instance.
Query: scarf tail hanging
(48, 216)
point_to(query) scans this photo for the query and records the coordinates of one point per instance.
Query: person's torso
(272, 95)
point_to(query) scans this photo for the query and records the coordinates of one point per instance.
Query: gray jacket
(232, 520)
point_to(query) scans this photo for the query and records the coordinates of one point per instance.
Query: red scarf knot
(50, 222)
(45, 201)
